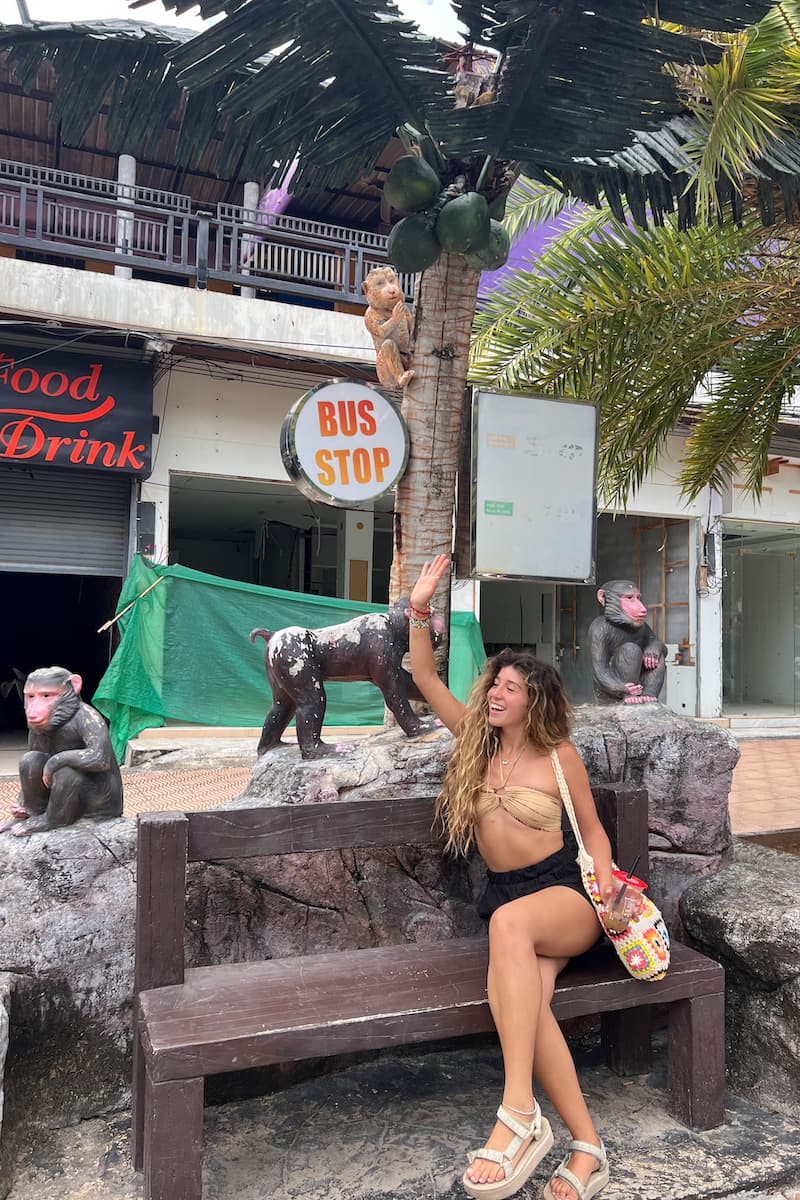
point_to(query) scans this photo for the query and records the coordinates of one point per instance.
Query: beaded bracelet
(419, 622)
(419, 612)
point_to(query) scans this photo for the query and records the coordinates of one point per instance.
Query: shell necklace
(503, 762)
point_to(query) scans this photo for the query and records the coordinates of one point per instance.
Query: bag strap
(585, 860)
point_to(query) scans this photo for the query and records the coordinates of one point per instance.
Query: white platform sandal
(597, 1180)
(538, 1129)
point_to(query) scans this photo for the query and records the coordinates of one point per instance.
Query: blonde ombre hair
(548, 724)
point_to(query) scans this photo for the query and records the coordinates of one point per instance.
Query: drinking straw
(624, 887)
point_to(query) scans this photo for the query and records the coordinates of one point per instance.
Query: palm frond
(635, 321)
(748, 396)
(740, 115)
(350, 72)
(531, 203)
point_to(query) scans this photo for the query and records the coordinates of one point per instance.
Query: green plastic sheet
(184, 653)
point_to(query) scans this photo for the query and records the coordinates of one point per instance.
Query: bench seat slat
(257, 1013)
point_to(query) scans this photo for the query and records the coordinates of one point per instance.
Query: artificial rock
(748, 918)
(68, 895)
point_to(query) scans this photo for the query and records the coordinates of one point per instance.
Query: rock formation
(748, 918)
(67, 896)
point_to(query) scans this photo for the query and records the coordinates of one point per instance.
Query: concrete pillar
(250, 199)
(354, 555)
(126, 174)
(158, 494)
(709, 634)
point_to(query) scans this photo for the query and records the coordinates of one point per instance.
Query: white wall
(659, 494)
(224, 427)
(35, 290)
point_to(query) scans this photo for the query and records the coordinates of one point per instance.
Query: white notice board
(533, 487)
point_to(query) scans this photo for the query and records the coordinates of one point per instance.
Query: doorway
(52, 620)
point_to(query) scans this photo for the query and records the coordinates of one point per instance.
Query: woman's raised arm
(423, 665)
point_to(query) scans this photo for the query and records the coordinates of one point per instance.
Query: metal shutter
(64, 522)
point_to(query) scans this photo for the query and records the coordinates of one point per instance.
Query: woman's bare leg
(555, 1072)
(556, 922)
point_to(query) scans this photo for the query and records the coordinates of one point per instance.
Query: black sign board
(75, 410)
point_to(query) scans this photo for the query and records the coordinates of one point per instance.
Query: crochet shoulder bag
(642, 947)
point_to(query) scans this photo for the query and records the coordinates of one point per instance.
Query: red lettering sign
(64, 410)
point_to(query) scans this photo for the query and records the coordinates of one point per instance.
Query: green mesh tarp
(184, 653)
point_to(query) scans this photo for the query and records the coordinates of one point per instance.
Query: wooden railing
(62, 213)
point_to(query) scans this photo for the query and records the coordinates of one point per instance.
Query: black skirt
(557, 870)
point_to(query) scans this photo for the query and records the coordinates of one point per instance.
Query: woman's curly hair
(549, 717)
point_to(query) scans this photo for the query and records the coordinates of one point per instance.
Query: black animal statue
(628, 660)
(299, 661)
(69, 769)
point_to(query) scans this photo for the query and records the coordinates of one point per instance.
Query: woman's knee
(511, 924)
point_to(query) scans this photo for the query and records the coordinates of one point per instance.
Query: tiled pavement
(765, 795)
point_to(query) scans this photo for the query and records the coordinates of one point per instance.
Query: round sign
(344, 443)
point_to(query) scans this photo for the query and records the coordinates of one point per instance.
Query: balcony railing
(59, 213)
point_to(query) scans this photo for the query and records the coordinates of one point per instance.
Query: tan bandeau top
(537, 810)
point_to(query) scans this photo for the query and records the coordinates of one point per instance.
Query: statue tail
(266, 634)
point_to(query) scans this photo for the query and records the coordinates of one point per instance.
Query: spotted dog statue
(299, 661)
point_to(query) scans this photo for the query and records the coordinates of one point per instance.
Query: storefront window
(760, 630)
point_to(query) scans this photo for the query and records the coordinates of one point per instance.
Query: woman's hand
(428, 581)
(609, 893)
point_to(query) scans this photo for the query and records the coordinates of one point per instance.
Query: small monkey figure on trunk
(390, 324)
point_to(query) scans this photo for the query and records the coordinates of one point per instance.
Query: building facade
(204, 320)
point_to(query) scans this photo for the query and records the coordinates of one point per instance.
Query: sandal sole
(528, 1161)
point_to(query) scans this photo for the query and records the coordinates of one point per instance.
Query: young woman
(501, 793)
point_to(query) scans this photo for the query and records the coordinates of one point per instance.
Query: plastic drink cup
(624, 902)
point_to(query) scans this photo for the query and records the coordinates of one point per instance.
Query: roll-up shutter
(64, 522)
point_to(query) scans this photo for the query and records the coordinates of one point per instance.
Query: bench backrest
(167, 841)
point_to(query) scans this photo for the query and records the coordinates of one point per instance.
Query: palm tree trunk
(435, 409)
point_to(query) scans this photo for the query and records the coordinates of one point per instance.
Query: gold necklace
(504, 762)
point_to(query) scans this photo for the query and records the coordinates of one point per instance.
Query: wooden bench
(190, 1023)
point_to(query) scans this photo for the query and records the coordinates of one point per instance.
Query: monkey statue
(628, 660)
(69, 770)
(390, 323)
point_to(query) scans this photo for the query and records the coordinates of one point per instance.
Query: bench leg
(627, 1042)
(137, 1104)
(696, 1061)
(173, 1140)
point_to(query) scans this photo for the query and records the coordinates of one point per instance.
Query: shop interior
(267, 533)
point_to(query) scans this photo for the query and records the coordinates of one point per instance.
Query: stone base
(748, 918)
(399, 1127)
(686, 767)
(68, 896)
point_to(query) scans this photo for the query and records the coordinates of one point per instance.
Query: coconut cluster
(440, 219)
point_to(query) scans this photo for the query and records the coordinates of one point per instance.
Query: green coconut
(463, 224)
(412, 245)
(495, 253)
(412, 184)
